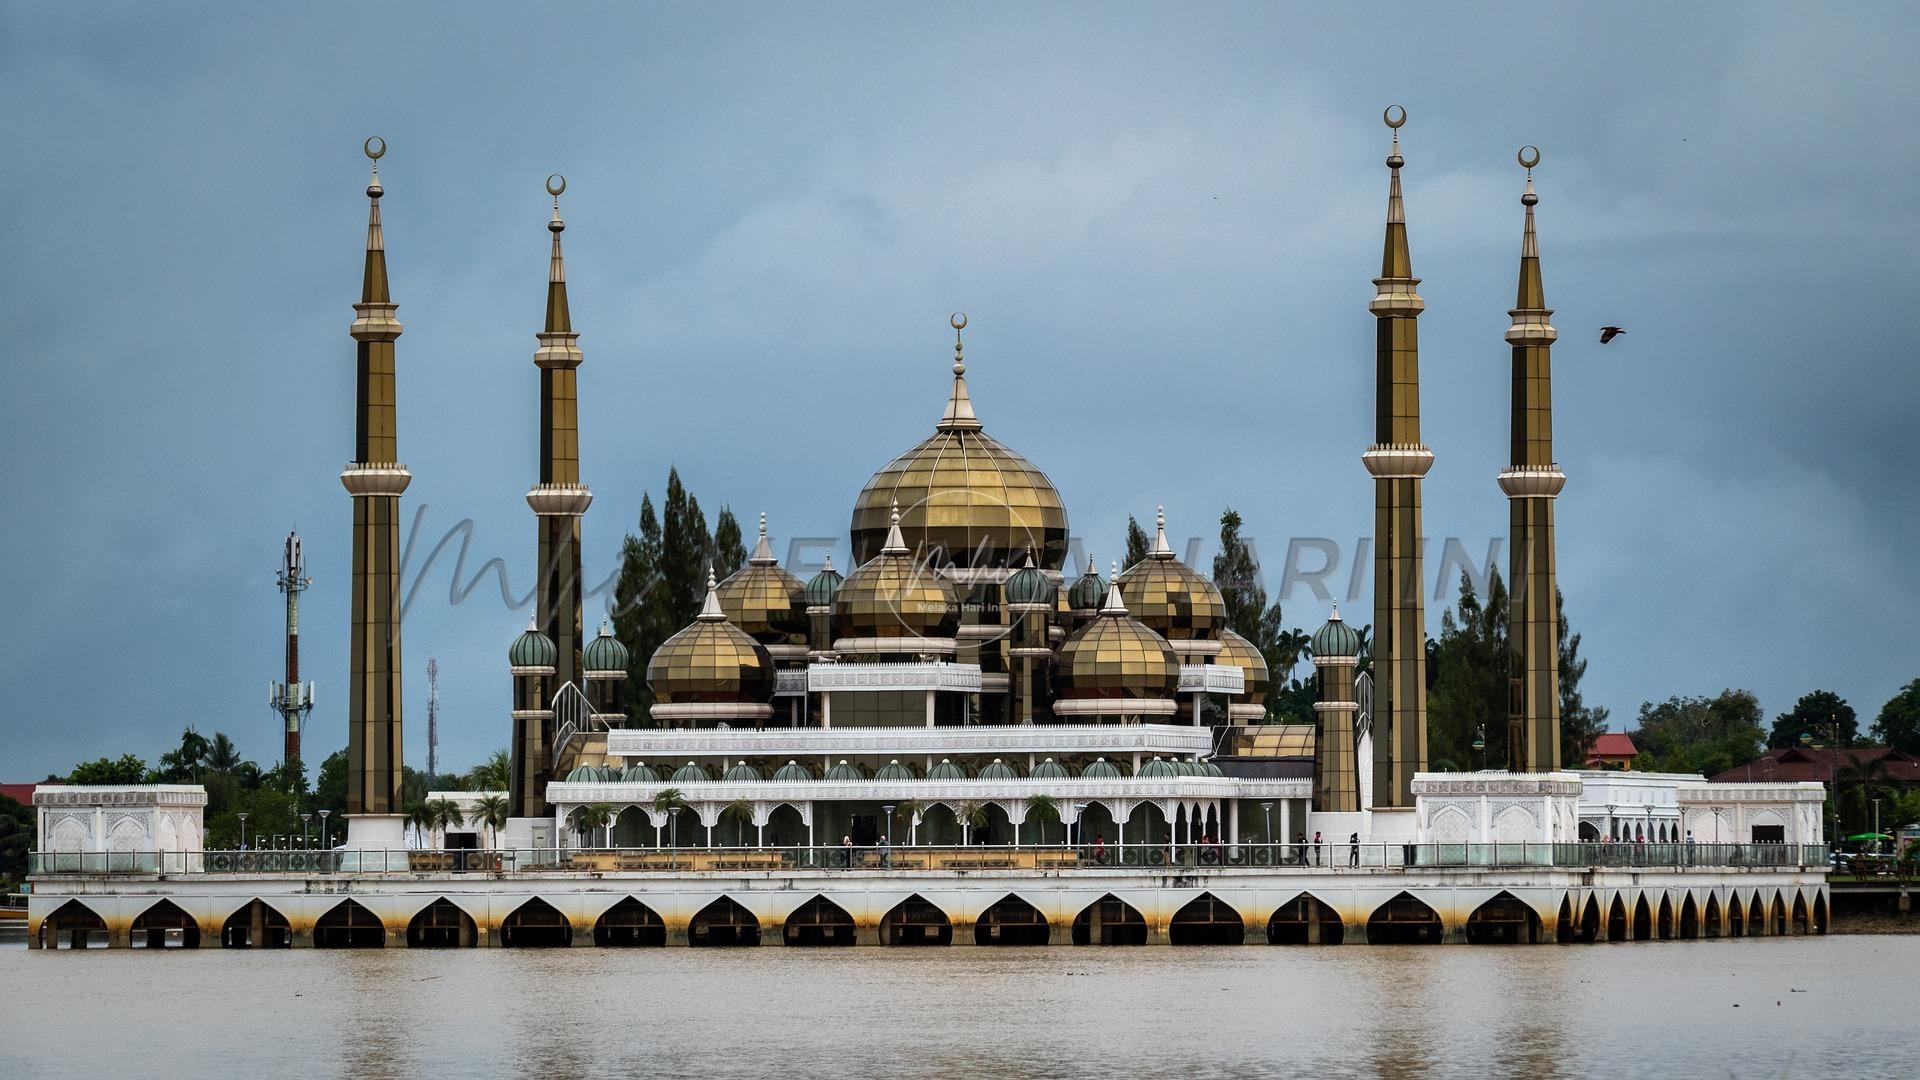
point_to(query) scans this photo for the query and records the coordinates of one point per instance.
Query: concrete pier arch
(1642, 919)
(1505, 920)
(914, 921)
(723, 924)
(73, 925)
(1109, 921)
(442, 925)
(1666, 925)
(155, 927)
(1405, 920)
(1206, 920)
(257, 925)
(819, 921)
(629, 924)
(1011, 921)
(348, 925)
(535, 924)
(1617, 924)
(1305, 920)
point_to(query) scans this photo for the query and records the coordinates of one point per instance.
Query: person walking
(1315, 853)
(1100, 848)
(1353, 850)
(886, 854)
(846, 844)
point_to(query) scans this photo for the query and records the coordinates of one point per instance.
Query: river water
(1787, 1007)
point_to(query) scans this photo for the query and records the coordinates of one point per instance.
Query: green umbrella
(1870, 836)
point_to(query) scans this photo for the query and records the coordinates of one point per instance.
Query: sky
(1161, 220)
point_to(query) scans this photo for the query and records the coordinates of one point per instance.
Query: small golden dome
(762, 598)
(711, 661)
(1115, 656)
(963, 492)
(1170, 596)
(892, 596)
(1237, 651)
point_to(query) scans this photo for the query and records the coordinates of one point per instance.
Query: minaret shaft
(1398, 460)
(1532, 482)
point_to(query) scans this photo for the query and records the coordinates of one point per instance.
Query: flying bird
(1608, 333)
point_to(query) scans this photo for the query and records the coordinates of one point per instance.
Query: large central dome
(963, 492)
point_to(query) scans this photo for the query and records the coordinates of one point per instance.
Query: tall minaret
(1397, 459)
(557, 500)
(375, 479)
(1532, 483)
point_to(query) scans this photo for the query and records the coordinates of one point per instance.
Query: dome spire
(1532, 295)
(896, 544)
(959, 415)
(762, 548)
(559, 320)
(373, 283)
(711, 611)
(1114, 605)
(1395, 261)
(1161, 549)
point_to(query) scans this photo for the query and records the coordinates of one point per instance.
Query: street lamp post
(1266, 814)
(243, 832)
(304, 820)
(326, 839)
(889, 809)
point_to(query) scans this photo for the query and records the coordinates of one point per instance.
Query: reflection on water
(1754, 1007)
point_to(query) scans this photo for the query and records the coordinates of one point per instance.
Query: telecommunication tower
(433, 718)
(293, 699)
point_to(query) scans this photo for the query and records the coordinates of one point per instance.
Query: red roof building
(1612, 750)
(1820, 763)
(20, 793)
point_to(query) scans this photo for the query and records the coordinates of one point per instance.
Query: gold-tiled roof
(1115, 656)
(710, 661)
(965, 493)
(766, 602)
(893, 596)
(1173, 599)
(1238, 652)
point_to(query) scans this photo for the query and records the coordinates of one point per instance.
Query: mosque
(963, 737)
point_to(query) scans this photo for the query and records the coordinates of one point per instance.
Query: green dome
(640, 773)
(792, 773)
(604, 652)
(824, 586)
(691, 773)
(893, 770)
(1048, 770)
(1336, 638)
(743, 773)
(1159, 769)
(1029, 586)
(1208, 768)
(532, 649)
(1185, 767)
(844, 771)
(1101, 769)
(582, 774)
(607, 774)
(946, 770)
(1089, 592)
(999, 770)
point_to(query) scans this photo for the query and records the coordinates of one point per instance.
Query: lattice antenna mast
(433, 719)
(292, 699)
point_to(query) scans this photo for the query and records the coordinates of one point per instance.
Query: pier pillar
(677, 936)
(210, 938)
(120, 939)
(583, 936)
(302, 937)
(1453, 932)
(396, 939)
(33, 936)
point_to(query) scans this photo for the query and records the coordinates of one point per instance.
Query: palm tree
(491, 811)
(222, 756)
(444, 814)
(911, 809)
(969, 816)
(1867, 779)
(667, 801)
(1041, 809)
(590, 819)
(421, 819)
(740, 812)
(493, 774)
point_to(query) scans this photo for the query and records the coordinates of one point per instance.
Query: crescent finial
(1388, 116)
(375, 147)
(556, 185)
(1526, 161)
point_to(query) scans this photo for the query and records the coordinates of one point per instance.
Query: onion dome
(845, 771)
(823, 586)
(692, 773)
(742, 773)
(1159, 769)
(1170, 596)
(999, 770)
(1336, 638)
(792, 773)
(1048, 770)
(1029, 586)
(532, 648)
(583, 774)
(892, 596)
(893, 770)
(1237, 651)
(762, 598)
(1114, 656)
(604, 652)
(1100, 769)
(965, 493)
(1208, 768)
(947, 770)
(710, 661)
(1087, 593)
(639, 773)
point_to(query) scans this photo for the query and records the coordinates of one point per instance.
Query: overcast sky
(1162, 221)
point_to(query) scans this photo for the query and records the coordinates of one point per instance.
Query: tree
(1813, 712)
(1137, 543)
(420, 820)
(969, 816)
(330, 784)
(182, 766)
(1237, 574)
(639, 606)
(1043, 811)
(444, 814)
(590, 819)
(1467, 669)
(1579, 724)
(1898, 724)
(669, 802)
(910, 811)
(128, 769)
(1857, 782)
(1699, 735)
(729, 550)
(686, 550)
(16, 835)
(491, 810)
(740, 813)
(493, 774)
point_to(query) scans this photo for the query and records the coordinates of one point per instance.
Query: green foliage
(330, 785)
(1813, 713)
(588, 820)
(490, 811)
(1699, 735)
(1042, 811)
(1580, 724)
(740, 813)
(1237, 574)
(493, 774)
(686, 552)
(184, 765)
(1137, 543)
(128, 769)
(1898, 724)
(1467, 669)
(16, 836)
(729, 549)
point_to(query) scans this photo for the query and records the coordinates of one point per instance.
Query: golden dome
(762, 598)
(963, 492)
(1170, 596)
(710, 661)
(1237, 651)
(1115, 656)
(892, 596)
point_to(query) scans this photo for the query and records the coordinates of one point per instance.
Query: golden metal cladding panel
(710, 661)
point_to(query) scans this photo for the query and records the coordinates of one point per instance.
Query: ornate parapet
(1166, 740)
(1212, 679)
(1524, 483)
(375, 478)
(1397, 461)
(960, 678)
(559, 500)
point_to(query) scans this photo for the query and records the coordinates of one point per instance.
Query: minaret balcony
(1396, 296)
(374, 321)
(1523, 483)
(1530, 327)
(559, 500)
(558, 349)
(1397, 461)
(375, 478)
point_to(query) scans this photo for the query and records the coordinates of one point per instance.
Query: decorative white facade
(134, 821)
